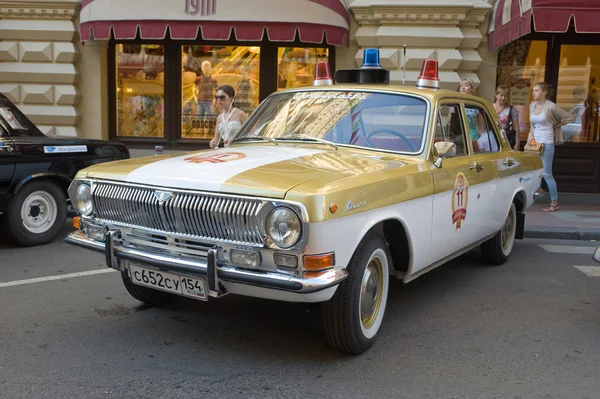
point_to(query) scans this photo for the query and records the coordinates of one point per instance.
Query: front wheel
(498, 248)
(354, 315)
(147, 295)
(37, 213)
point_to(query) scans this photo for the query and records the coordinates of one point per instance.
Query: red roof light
(322, 74)
(429, 75)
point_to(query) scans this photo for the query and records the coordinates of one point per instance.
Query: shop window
(578, 91)
(296, 66)
(205, 68)
(140, 90)
(521, 64)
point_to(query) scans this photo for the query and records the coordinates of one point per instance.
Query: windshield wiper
(248, 138)
(302, 137)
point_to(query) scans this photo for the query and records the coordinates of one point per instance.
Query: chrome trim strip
(269, 280)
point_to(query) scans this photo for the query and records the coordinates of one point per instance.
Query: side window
(483, 137)
(450, 127)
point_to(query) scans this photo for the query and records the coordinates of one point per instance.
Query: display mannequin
(205, 90)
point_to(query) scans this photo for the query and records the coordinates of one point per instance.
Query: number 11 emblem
(460, 198)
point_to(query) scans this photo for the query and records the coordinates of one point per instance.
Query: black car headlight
(284, 227)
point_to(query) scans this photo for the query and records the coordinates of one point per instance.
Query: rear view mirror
(443, 149)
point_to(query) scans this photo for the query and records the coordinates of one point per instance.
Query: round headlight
(284, 227)
(84, 199)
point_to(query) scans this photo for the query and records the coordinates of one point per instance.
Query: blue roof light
(371, 58)
(371, 71)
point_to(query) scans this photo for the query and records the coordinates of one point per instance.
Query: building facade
(145, 72)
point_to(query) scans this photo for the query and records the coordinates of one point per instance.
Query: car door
(493, 158)
(456, 185)
(8, 160)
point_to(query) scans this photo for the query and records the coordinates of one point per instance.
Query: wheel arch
(394, 230)
(60, 180)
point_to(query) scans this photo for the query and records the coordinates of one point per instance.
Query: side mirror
(596, 255)
(443, 149)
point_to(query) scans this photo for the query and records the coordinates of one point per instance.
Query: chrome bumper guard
(210, 269)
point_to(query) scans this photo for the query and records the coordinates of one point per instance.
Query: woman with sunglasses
(230, 119)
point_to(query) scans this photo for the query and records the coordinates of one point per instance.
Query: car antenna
(404, 52)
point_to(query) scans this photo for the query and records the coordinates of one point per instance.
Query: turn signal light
(77, 222)
(429, 75)
(318, 262)
(322, 74)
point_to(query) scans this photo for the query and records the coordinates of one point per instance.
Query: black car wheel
(355, 313)
(37, 214)
(147, 295)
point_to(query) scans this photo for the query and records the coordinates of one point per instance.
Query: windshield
(13, 120)
(383, 121)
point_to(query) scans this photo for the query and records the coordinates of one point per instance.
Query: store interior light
(322, 74)
(428, 77)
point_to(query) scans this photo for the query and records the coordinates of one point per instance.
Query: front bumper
(116, 256)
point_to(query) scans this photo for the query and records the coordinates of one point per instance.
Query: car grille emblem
(162, 196)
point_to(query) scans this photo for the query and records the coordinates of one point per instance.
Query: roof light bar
(370, 72)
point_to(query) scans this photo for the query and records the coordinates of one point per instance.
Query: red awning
(311, 21)
(511, 19)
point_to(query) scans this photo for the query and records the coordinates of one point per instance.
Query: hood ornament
(162, 196)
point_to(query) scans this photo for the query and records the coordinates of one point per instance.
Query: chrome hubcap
(370, 293)
(38, 212)
(507, 230)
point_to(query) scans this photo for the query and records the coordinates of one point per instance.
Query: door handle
(476, 166)
(508, 162)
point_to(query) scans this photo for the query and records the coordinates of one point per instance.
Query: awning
(310, 21)
(511, 19)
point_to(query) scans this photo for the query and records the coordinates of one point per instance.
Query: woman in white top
(546, 120)
(230, 120)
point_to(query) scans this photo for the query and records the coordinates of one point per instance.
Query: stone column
(37, 62)
(446, 30)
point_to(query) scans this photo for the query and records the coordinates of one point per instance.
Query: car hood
(257, 170)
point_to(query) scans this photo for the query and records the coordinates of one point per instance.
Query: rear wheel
(37, 213)
(498, 248)
(355, 313)
(147, 295)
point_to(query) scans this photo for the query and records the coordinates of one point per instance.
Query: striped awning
(310, 21)
(512, 19)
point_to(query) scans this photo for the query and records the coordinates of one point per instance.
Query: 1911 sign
(202, 7)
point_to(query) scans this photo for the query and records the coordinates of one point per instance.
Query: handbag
(532, 146)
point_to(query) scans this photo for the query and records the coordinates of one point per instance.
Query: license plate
(170, 282)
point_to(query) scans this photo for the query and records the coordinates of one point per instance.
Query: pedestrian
(508, 116)
(546, 120)
(467, 86)
(230, 119)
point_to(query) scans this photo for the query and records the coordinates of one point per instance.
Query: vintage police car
(35, 172)
(325, 194)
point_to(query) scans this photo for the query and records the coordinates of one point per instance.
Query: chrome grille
(200, 215)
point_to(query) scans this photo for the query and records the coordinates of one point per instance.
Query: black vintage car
(35, 172)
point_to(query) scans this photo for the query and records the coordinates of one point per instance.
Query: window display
(577, 91)
(204, 69)
(140, 90)
(521, 64)
(296, 66)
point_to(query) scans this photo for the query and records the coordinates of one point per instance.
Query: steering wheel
(393, 132)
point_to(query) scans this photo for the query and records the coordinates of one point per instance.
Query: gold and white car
(325, 194)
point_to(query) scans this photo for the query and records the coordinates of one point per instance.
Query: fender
(64, 178)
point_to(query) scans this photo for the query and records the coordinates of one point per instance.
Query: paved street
(528, 329)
